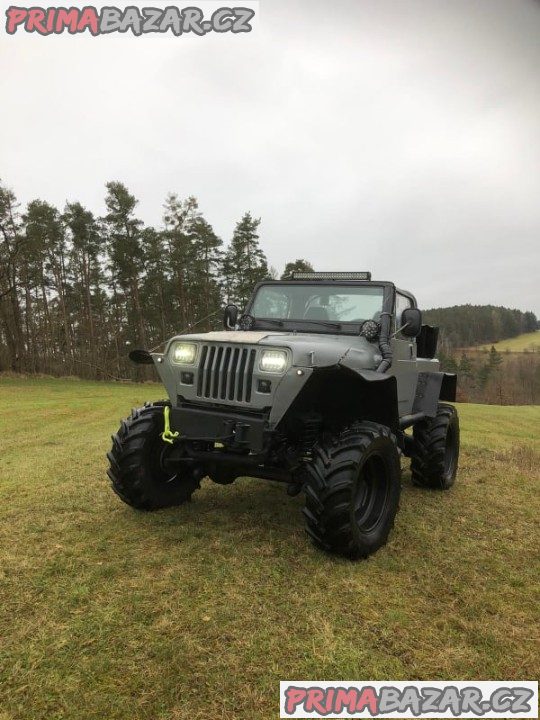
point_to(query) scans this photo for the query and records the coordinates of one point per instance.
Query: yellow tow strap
(167, 435)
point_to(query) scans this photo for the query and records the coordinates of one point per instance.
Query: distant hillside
(469, 325)
(495, 352)
(528, 342)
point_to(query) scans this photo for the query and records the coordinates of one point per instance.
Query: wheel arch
(342, 396)
(431, 388)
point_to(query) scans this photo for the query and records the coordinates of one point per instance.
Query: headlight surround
(273, 361)
(184, 353)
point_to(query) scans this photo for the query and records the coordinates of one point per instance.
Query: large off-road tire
(136, 463)
(435, 455)
(352, 490)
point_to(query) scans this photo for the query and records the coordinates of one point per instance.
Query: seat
(316, 312)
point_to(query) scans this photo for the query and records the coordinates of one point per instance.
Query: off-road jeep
(314, 385)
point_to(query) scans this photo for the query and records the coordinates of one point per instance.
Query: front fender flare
(342, 393)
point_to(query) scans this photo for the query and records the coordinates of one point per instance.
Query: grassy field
(528, 342)
(197, 612)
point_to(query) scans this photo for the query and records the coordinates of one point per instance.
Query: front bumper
(232, 429)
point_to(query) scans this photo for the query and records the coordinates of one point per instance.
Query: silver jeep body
(225, 384)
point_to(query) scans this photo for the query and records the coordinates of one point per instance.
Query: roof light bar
(331, 275)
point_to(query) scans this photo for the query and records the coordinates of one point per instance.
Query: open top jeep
(314, 385)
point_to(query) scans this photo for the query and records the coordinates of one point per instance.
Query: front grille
(226, 372)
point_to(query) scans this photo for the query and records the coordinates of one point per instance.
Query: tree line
(487, 376)
(469, 325)
(497, 378)
(77, 290)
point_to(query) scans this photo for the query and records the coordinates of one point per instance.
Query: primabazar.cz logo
(137, 20)
(405, 699)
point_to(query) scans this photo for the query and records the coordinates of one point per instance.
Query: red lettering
(367, 699)
(314, 701)
(293, 697)
(330, 693)
(66, 18)
(50, 19)
(345, 698)
(89, 19)
(15, 17)
(35, 20)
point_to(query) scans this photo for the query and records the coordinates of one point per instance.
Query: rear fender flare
(432, 387)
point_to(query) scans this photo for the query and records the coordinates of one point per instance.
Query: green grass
(528, 342)
(197, 612)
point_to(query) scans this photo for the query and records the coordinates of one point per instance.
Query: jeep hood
(308, 349)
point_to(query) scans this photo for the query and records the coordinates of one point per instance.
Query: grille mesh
(226, 372)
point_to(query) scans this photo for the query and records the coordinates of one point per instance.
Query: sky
(397, 136)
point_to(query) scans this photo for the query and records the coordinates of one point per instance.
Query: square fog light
(264, 386)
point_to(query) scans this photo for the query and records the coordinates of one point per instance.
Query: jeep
(323, 383)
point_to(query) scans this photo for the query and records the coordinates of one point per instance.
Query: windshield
(341, 303)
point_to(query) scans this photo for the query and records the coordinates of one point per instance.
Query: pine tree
(179, 216)
(296, 266)
(495, 358)
(126, 258)
(466, 375)
(465, 367)
(494, 365)
(86, 277)
(205, 285)
(11, 242)
(483, 376)
(156, 292)
(40, 327)
(45, 233)
(448, 362)
(244, 264)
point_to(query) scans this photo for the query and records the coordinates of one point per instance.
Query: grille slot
(226, 372)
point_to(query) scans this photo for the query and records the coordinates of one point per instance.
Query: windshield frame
(346, 326)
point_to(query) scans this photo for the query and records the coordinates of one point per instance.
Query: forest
(486, 374)
(78, 291)
(469, 325)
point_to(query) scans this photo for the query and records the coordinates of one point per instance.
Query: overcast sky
(400, 136)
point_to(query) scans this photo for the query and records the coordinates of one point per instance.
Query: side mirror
(411, 322)
(141, 357)
(230, 317)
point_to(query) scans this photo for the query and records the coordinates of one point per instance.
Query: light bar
(331, 275)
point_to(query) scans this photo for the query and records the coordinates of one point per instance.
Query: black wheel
(435, 455)
(352, 490)
(137, 471)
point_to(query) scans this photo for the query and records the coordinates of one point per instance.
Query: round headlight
(273, 361)
(184, 353)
